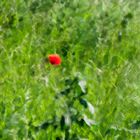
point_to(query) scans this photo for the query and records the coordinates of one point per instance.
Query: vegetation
(94, 93)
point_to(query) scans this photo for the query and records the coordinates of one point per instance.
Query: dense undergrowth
(94, 93)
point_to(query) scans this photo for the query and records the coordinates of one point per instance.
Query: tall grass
(93, 94)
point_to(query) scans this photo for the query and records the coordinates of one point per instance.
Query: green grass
(99, 43)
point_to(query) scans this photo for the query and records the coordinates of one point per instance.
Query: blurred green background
(94, 94)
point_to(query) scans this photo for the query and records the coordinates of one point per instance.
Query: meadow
(94, 94)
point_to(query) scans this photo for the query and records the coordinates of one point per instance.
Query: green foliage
(93, 94)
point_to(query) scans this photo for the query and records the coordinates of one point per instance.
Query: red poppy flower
(54, 59)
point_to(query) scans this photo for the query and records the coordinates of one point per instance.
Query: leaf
(82, 85)
(91, 108)
(87, 104)
(67, 120)
(88, 121)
